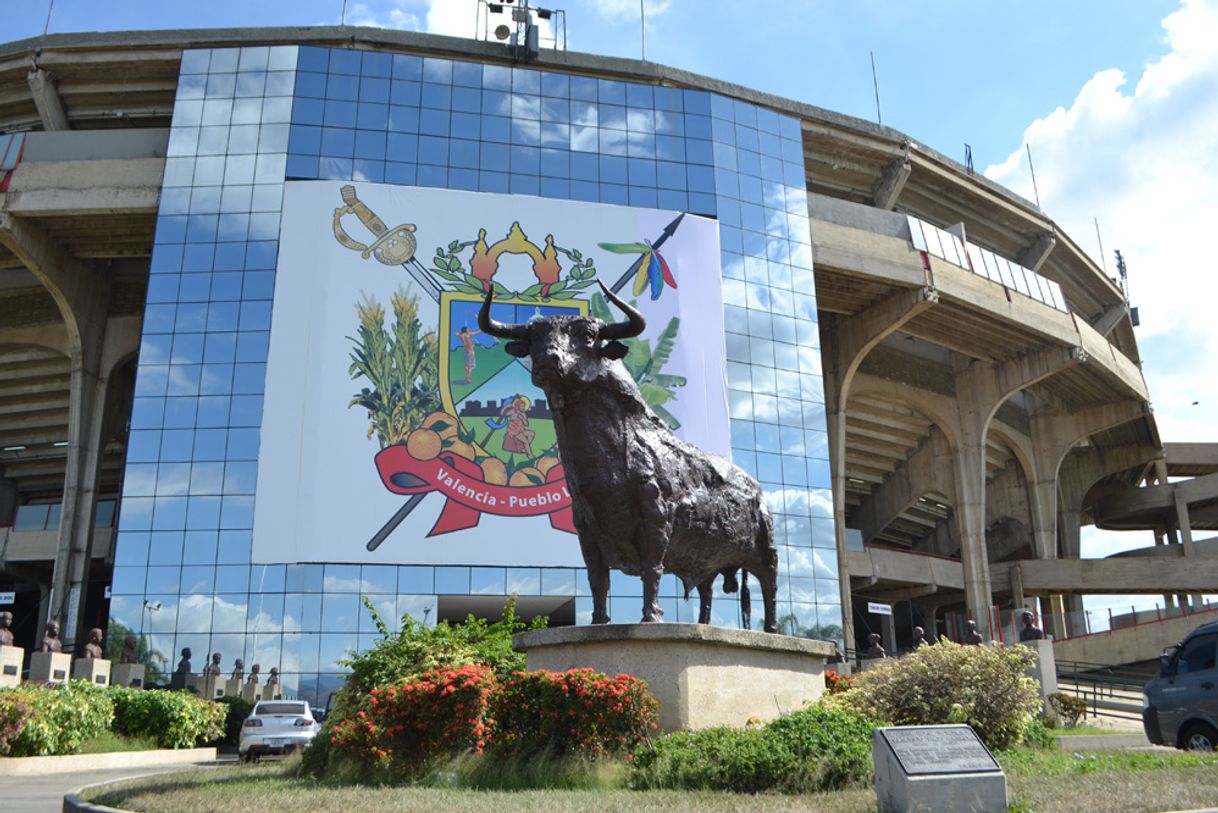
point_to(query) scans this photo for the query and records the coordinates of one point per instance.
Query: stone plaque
(928, 750)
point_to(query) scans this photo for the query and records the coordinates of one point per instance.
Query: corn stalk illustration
(399, 363)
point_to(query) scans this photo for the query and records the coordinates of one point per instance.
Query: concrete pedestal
(251, 692)
(272, 692)
(935, 768)
(1044, 670)
(130, 675)
(702, 676)
(11, 658)
(208, 687)
(232, 687)
(50, 667)
(94, 670)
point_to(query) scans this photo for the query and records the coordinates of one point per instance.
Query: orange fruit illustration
(449, 430)
(527, 476)
(493, 471)
(546, 463)
(423, 444)
(461, 448)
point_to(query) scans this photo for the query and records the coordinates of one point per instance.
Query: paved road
(44, 794)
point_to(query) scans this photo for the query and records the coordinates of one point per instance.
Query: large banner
(394, 431)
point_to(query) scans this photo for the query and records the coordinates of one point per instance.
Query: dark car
(1180, 705)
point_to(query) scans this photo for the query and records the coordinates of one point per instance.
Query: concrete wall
(1130, 644)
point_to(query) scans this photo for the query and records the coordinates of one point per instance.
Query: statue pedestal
(208, 687)
(94, 670)
(232, 687)
(702, 676)
(272, 692)
(251, 692)
(130, 675)
(50, 667)
(11, 658)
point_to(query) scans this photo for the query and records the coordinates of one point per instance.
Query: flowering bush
(837, 683)
(401, 727)
(13, 713)
(574, 712)
(986, 687)
(60, 717)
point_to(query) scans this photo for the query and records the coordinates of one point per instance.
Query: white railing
(985, 263)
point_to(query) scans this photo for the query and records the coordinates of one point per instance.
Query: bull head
(602, 337)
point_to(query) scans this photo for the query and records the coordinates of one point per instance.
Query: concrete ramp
(1125, 645)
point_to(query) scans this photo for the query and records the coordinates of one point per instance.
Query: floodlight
(543, 13)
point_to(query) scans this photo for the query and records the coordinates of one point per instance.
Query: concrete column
(8, 500)
(981, 388)
(888, 633)
(82, 295)
(844, 344)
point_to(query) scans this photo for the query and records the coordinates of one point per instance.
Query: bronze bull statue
(644, 502)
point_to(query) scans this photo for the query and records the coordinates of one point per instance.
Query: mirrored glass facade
(247, 120)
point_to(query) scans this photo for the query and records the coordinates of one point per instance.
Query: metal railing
(1108, 691)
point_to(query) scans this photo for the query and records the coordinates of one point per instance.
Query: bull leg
(746, 601)
(598, 581)
(705, 592)
(652, 537)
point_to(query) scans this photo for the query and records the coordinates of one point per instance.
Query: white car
(276, 727)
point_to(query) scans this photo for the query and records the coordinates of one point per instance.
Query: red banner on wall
(468, 495)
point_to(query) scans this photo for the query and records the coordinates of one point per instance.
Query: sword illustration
(394, 246)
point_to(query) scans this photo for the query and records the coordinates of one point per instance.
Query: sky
(1118, 103)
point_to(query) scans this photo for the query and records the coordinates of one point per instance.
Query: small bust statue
(273, 680)
(6, 632)
(253, 678)
(1029, 631)
(874, 649)
(93, 649)
(238, 670)
(213, 667)
(919, 637)
(50, 639)
(184, 663)
(128, 655)
(972, 637)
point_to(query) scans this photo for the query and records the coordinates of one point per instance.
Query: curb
(73, 803)
(40, 766)
(1103, 742)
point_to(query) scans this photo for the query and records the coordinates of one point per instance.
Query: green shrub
(237, 709)
(1070, 708)
(810, 750)
(14, 712)
(986, 687)
(171, 719)
(1038, 735)
(60, 717)
(579, 711)
(732, 759)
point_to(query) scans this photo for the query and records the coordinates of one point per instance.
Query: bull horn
(622, 330)
(492, 328)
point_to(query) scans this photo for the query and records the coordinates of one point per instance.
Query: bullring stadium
(935, 385)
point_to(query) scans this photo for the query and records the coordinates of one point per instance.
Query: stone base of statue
(208, 687)
(232, 687)
(1044, 671)
(11, 658)
(251, 692)
(702, 676)
(50, 667)
(272, 692)
(130, 675)
(94, 670)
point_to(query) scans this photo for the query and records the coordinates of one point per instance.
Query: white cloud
(1144, 161)
(454, 18)
(383, 15)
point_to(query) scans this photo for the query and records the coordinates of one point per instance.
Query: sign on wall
(394, 431)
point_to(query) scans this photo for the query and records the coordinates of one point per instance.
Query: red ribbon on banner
(468, 495)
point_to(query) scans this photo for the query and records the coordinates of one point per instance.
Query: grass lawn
(1042, 781)
(109, 743)
(1086, 729)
